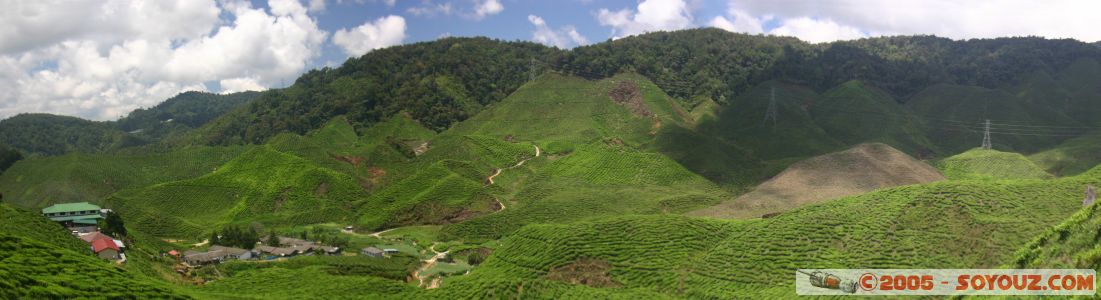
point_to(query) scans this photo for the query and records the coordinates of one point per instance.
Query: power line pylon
(770, 113)
(531, 70)
(986, 136)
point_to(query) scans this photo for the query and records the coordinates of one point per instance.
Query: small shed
(372, 251)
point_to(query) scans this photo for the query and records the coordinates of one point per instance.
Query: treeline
(8, 157)
(235, 236)
(46, 134)
(720, 65)
(438, 83)
(445, 81)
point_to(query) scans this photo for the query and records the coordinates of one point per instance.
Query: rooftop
(70, 207)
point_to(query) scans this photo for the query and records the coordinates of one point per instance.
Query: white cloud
(108, 58)
(817, 31)
(383, 32)
(839, 19)
(429, 9)
(317, 5)
(565, 37)
(742, 22)
(241, 84)
(487, 8)
(651, 15)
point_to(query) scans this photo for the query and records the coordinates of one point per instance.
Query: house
(372, 251)
(81, 217)
(103, 246)
(106, 248)
(216, 254)
(329, 250)
(390, 251)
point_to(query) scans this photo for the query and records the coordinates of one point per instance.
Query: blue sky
(100, 59)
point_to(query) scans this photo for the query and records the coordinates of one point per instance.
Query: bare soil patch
(861, 169)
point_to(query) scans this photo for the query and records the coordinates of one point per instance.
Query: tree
(273, 240)
(112, 225)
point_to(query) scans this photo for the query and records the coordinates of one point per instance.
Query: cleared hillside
(984, 164)
(858, 170)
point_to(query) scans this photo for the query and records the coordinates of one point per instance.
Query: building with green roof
(74, 214)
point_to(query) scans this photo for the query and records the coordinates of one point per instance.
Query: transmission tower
(531, 70)
(771, 112)
(986, 135)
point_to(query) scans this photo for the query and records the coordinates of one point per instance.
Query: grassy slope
(260, 185)
(1071, 157)
(1070, 244)
(961, 224)
(856, 113)
(596, 160)
(39, 259)
(954, 115)
(990, 165)
(795, 133)
(39, 182)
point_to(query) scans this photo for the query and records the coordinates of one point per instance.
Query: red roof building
(88, 238)
(104, 246)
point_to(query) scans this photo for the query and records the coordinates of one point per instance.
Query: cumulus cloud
(651, 15)
(565, 37)
(100, 60)
(430, 9)
(317, 5)
(383, 32)
(842, 19)
(487, 8)
(478, 11)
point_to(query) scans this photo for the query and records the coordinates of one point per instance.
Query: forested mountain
(45, 134)
(438, 83)
(448, 80)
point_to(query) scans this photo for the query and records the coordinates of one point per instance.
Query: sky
(102, 59)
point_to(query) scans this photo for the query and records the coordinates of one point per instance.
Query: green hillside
(856, 113)
(1071, 157)
(77, 177)
(40, 259)
(794, 134)
(939, 225)
(1071, 244)
(45, 134)
(955, 116)
(990, 165)
(261, 184)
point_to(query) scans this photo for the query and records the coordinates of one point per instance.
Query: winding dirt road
(521, 163)
(427, 265)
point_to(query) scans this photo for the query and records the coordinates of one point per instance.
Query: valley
(635, 173)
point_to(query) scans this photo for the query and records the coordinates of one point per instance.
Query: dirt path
(379, 234)
(521, 163)
(428, 265)
(200, 244)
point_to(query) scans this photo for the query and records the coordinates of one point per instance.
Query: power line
(986, 136)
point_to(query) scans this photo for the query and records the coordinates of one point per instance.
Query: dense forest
(446, 81)
(46, 134)
(438, 83)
